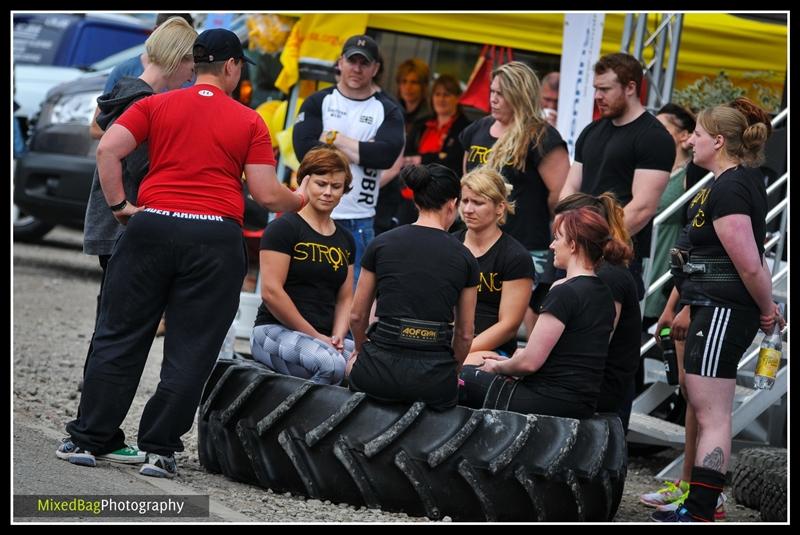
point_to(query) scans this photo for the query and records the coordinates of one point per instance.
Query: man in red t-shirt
(182, 253)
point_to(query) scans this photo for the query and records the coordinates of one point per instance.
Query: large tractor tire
(773, 498)
(325, 442)
(749, 475)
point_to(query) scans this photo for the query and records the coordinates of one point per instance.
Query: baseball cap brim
(357, 51)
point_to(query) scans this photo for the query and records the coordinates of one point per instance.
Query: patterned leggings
(298, 354)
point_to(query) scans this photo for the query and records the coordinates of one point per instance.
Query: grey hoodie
(101, 229)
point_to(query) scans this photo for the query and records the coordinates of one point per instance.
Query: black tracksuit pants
(194, 270)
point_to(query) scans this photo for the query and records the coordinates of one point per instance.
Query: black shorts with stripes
(717, 339)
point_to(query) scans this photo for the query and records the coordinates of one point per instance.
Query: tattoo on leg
(714, 459)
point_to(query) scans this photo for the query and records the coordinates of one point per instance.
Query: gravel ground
(55, 286)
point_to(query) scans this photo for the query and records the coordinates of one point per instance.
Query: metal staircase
(759, 416)
(660, 69)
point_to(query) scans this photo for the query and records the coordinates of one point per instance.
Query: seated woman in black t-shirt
(561, 367)
(426, 286)
(307, 279)
(506, 279)
(619, 384)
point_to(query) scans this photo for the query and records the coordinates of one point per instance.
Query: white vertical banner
(583, 35)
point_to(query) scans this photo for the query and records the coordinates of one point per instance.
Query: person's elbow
(270, 291)
(463, 335)
(105, 153)
(357, 317)
(750, 270)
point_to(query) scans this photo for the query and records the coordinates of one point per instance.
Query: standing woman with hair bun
(560, 370)
(729, 289)
(426, 286)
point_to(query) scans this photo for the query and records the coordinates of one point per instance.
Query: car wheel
(27, 228)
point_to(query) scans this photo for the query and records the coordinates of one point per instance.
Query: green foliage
(707, 92)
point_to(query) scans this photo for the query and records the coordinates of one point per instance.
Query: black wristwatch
(120, 206)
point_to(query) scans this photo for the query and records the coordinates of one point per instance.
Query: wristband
(120, 206)
(330, 137)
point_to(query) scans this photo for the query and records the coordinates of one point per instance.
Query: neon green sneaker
(124, 455)
(669, 493)
(719, 512)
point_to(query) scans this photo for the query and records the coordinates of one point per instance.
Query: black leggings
(490, 391)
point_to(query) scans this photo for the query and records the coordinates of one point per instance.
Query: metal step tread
(743, 392)
(655, 428)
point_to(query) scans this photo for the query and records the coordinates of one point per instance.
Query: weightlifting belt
(411, 332)
(711, 269)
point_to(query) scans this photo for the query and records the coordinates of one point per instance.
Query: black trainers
(159, 466)
(679, 515)
(69, 451)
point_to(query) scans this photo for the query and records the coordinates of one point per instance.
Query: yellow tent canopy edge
(710, 42)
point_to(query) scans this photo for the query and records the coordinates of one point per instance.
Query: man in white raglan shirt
(366, 124)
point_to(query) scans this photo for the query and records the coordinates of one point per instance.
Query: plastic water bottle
(670, 357)
(769, 359)
(227, 349)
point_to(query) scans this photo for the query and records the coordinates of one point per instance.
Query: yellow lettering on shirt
(489, 282)
(478, 154)
(336, 257)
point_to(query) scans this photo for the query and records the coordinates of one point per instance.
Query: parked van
(50, 48)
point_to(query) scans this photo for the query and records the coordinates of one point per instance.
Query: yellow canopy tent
(710, 42)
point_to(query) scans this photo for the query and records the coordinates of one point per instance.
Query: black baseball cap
(361, 44)
(218, 44)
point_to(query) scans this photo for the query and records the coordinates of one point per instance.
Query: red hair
(591, 234)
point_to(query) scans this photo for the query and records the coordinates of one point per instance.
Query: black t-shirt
(623, 350)
(611, 154)
(505, 260)
(739, 190)
(530, 225)
(317, 269)
(574, 369)
(420, 272)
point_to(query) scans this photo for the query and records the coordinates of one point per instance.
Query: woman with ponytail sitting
(560, 369)
(426, 284)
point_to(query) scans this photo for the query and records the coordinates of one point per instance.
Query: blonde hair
(490, 183)
(520, 88)
(170, 44)
(744, 142)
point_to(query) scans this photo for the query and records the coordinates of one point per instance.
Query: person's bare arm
(527, 360)
(94, 129)
(262, 182)
(514, 299)
(735, 232)
(464, 327)
(647, 187)
(274, 269)
(116, 144)
(574, 180)
(346, 144)
(554, 169)
(341, 313)
(362, 303)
